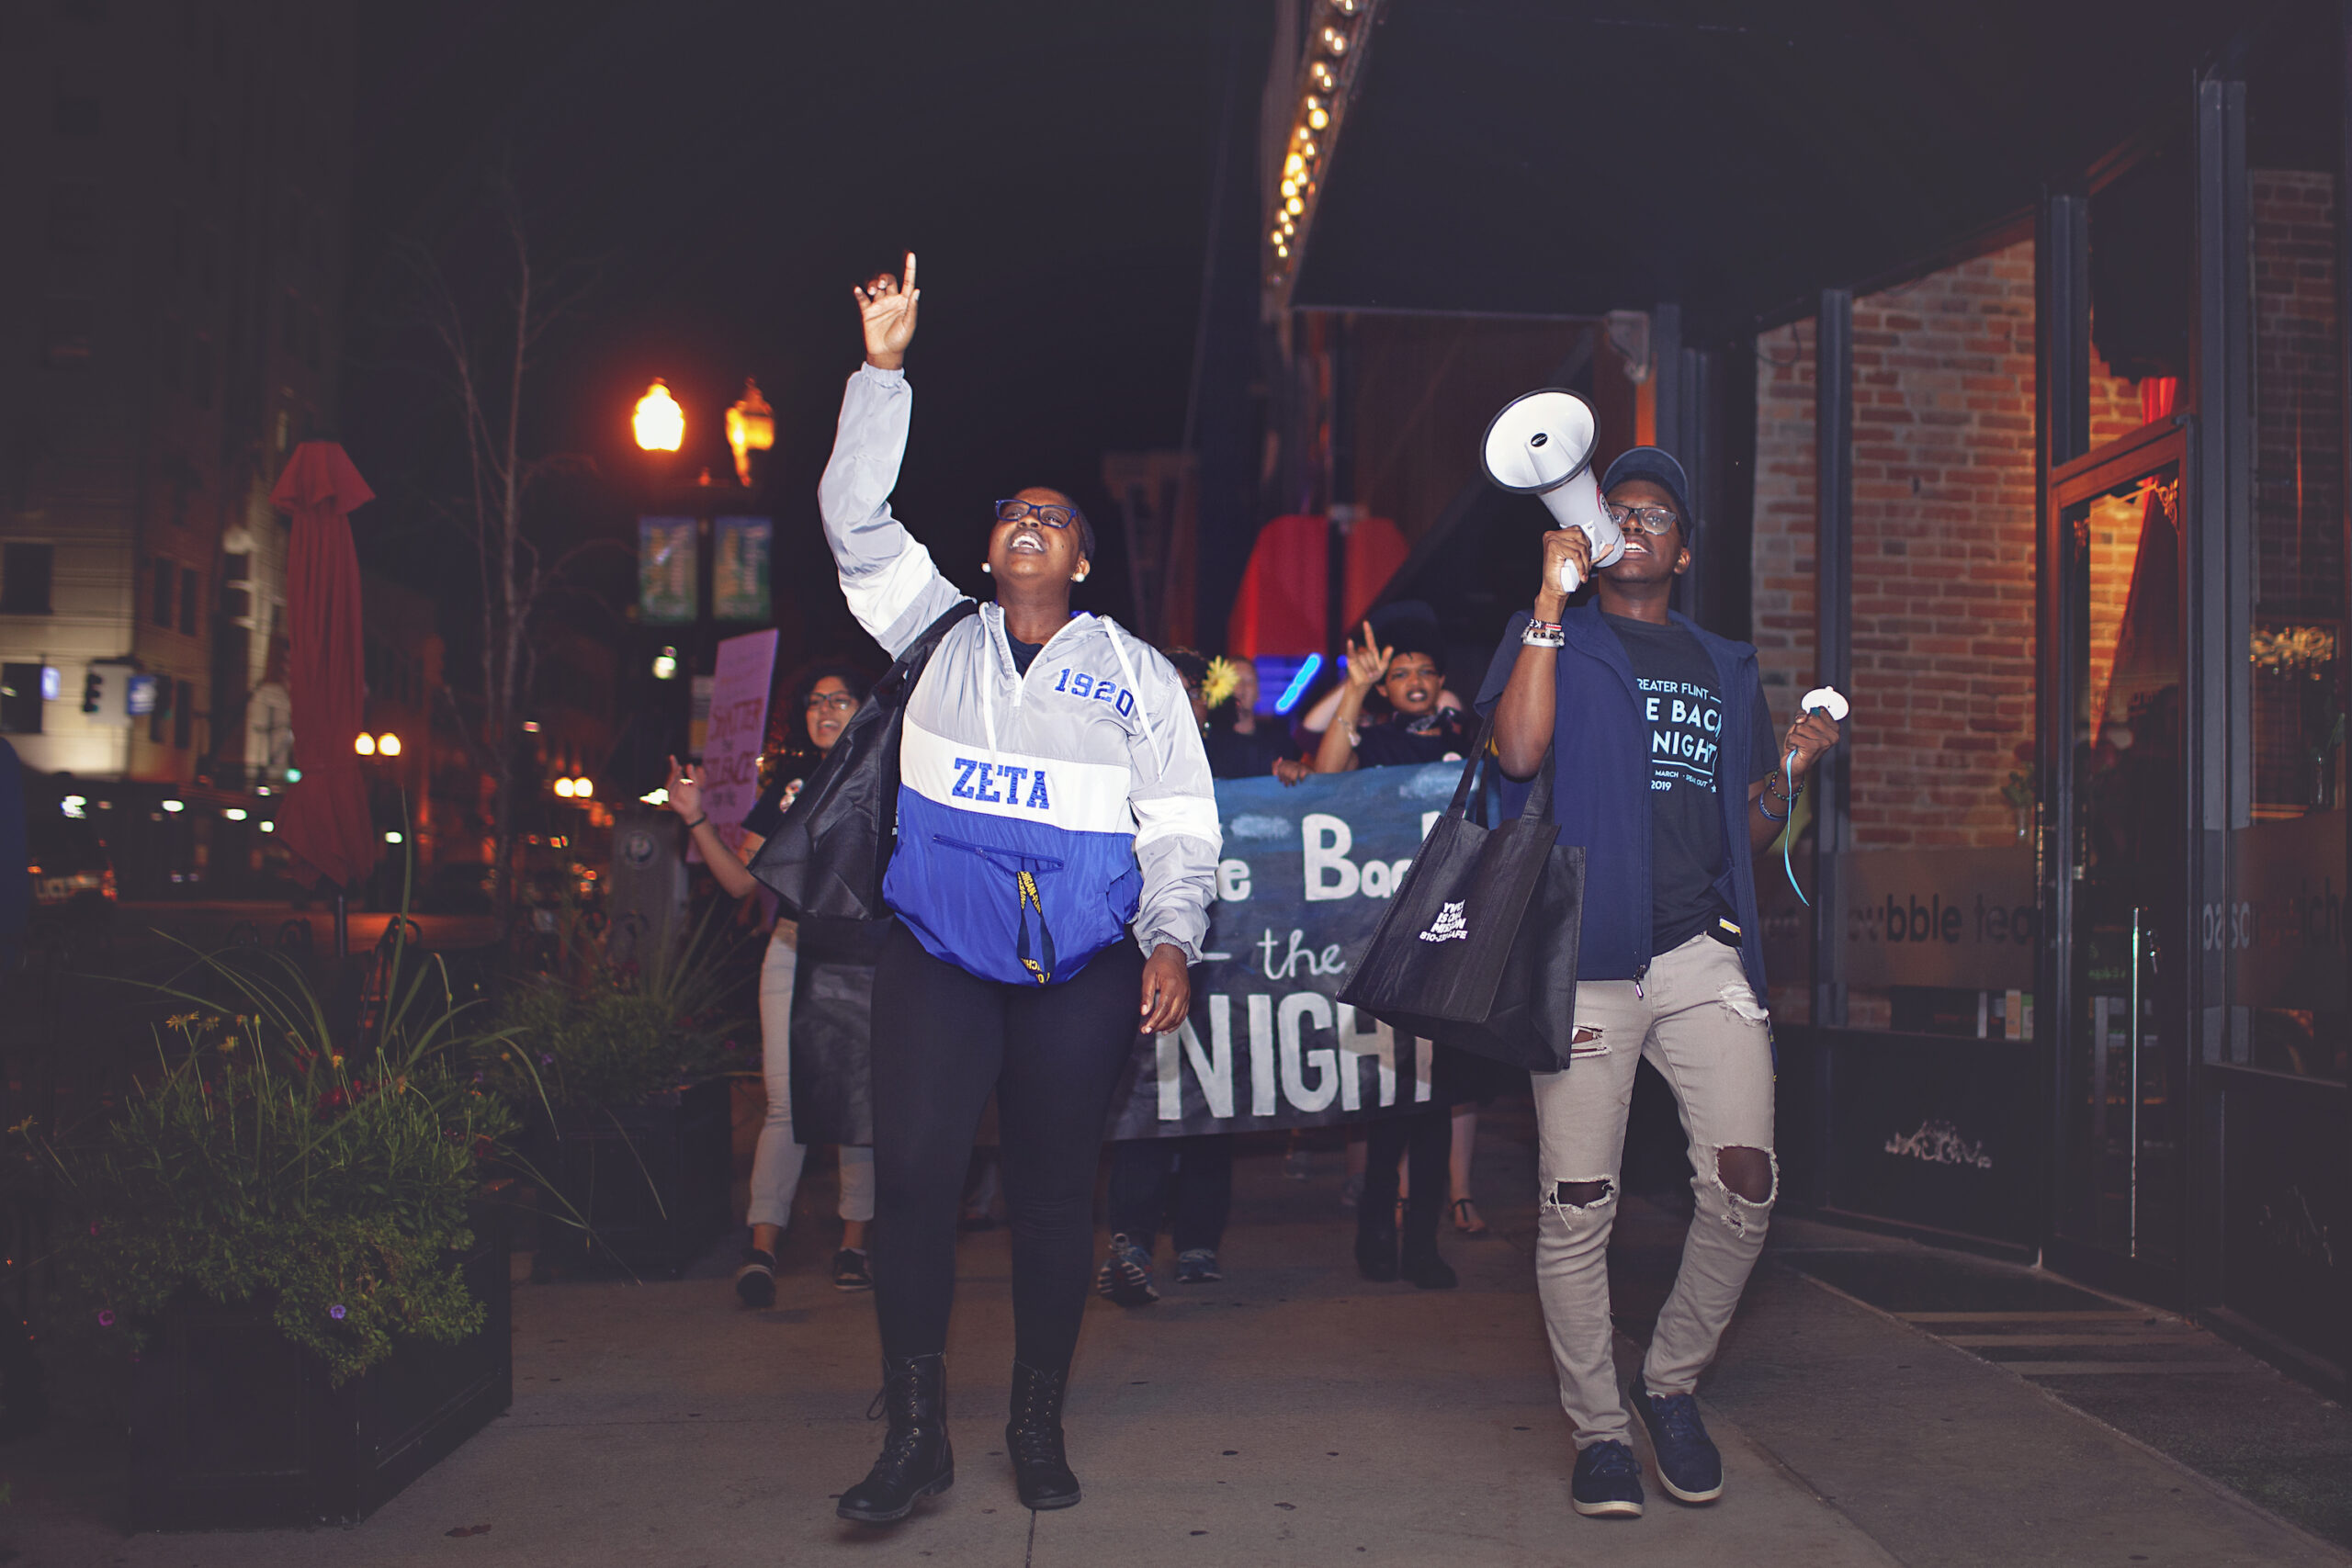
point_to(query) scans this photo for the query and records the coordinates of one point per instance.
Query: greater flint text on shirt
(1686, 719)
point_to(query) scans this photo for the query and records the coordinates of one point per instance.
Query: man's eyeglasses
(1648, 519)
(833, 702)
(1052, 513)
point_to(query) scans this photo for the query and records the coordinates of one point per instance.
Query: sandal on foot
(1466, 1220)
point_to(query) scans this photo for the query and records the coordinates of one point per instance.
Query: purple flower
(477, 1077)
(335, 1312)
(105, 1318)
(547, 1058)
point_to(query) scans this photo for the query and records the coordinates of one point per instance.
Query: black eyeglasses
(1052, 513)
(1648, 519)
(838, 702)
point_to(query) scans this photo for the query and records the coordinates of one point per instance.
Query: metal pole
(341, 923)
(1832, 391)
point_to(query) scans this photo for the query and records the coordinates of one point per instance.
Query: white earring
(1078, 577)
(987, 567)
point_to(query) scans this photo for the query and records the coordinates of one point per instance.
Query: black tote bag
(825, 860)
(1478, 948)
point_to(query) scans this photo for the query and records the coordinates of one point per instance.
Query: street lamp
(661, 423)
(751, 427)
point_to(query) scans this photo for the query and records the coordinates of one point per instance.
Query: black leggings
(943, 1039)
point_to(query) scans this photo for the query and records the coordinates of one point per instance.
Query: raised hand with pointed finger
(887, 307)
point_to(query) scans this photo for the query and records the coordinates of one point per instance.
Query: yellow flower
(1218, 684)
(179, 1020)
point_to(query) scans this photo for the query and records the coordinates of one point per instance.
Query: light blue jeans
(1697, 1021)
(777, 1159)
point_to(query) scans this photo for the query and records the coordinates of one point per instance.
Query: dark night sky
(730, 168)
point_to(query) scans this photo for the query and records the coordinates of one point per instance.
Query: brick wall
(1944, 530)
(2298, 479)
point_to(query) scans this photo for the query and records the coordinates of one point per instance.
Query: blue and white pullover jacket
(1039, 816)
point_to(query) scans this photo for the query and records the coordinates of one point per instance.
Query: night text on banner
(1307, 871)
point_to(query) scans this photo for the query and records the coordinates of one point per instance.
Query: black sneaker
(1688, 1466)
(1197, 1266)
(756, 1280)
(850, 1270)
(1126, 1274)
(1608, 1483)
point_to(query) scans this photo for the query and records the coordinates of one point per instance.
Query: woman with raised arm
(823, 700)
(1055, 853)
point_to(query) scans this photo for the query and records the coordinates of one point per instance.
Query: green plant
(599, 1033)
(271, 1155)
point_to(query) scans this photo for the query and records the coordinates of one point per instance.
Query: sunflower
(1218, 685)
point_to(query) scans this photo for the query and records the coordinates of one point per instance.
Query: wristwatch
(1543, 634)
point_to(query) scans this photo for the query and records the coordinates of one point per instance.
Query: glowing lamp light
(583, 789)
(1335, 41)
(530, 727)
(175, 805)
(665, 664)
(563, 788)
(293, 775)
(388, 745)
(658, 796)
(76, 807)
(364, 744)
(659, 423)
(235, 814)
(392, 837)
(751, 427)
(268, 826)
(1316, 118)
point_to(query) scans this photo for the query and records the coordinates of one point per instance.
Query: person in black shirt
(821, 704)
(1648, 716)
(1242, 744)
(1411, 673)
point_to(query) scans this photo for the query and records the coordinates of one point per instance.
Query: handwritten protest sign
(739, 724)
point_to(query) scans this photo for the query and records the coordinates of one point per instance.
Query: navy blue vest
(1602, 799)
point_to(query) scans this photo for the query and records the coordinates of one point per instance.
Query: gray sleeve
(892, 585)
(1177, 837)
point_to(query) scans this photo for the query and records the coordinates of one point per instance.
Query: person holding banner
(1189, 1180)
(1669, 775)
(1056, 850)
(822, 703)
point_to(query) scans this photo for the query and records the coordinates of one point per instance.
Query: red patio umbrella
(324, 822)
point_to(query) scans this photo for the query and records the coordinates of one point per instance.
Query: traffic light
(94, 692)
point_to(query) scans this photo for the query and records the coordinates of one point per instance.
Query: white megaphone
(1540, 445)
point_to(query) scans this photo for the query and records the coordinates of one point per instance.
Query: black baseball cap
(1656, 464)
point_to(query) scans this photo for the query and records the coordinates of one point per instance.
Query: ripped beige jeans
(1696, 1020)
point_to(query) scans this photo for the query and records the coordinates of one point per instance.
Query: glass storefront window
(2283, 927)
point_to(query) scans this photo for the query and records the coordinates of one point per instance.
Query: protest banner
(1306, 871)
(739, 725)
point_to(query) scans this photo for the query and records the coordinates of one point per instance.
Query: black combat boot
(916, 1461)
(1033, 1438)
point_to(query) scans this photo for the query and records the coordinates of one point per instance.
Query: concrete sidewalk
(1293, 1415)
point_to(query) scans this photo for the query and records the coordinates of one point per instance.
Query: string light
(1322, 90)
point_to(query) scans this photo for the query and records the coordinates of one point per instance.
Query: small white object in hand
(1828, 700)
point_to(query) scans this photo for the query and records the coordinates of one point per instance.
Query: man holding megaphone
(1669, 775)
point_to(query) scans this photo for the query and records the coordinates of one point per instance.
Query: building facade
(180, 180)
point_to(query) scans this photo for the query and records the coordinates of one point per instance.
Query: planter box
(231, 1425)
(650, 1180)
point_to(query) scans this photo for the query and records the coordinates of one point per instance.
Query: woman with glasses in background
(821, 702)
